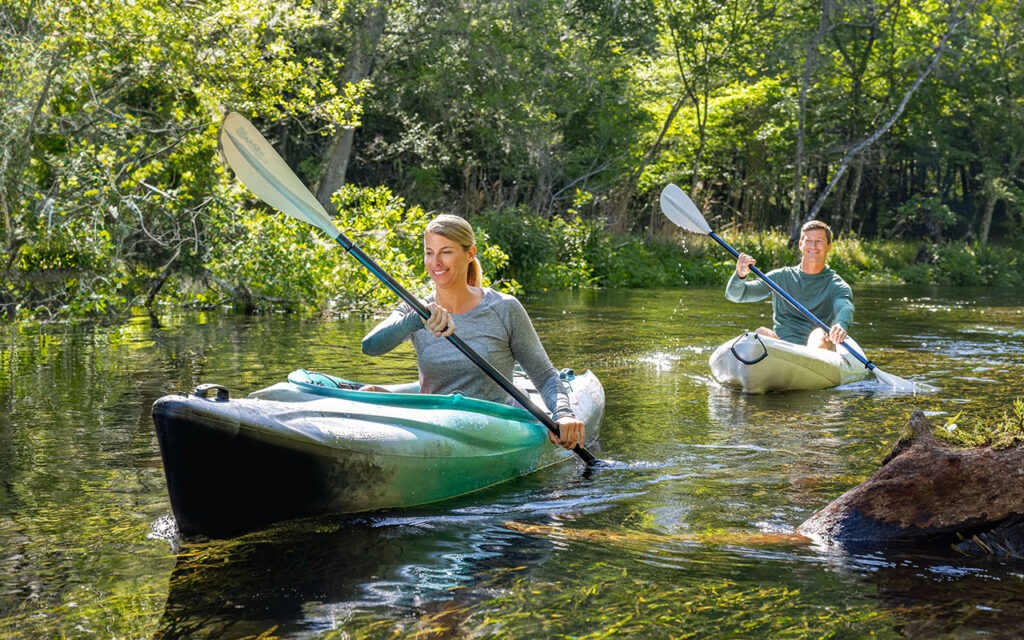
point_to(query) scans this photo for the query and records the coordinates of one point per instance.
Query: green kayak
(314, 445)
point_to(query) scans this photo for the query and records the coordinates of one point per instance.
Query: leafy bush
(274, 262)
(957, 266)
(542, 253)
(255, 259)
(271, 262)
(922, 216)
(917, 273)
(997, 264)
(852, 261)
(557, 253)
(660, 263)
(65, 270)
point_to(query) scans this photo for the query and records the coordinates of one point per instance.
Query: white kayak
(759, 364)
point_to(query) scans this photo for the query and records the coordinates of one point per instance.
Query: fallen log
(930, 492)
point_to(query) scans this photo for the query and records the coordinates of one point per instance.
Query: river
(677, 540)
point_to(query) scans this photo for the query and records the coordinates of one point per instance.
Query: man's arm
(740, 290)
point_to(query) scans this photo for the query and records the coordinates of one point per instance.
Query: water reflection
(303, 578)
(937, 595)
(731, 407)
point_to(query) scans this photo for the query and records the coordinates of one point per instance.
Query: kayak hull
(759, 364)
(296, 449)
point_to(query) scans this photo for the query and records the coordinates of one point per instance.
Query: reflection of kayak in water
(241, 588)
(314, 445)
(295, 578)
(758, 364)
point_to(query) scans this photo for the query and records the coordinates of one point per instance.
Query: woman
(494, 324)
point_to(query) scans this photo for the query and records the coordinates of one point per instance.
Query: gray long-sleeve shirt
(498, 329)
(824, 294)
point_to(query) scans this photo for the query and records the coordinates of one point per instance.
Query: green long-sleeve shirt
(824, 294)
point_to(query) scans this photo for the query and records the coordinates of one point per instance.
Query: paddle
(259, 167)
(680, 209)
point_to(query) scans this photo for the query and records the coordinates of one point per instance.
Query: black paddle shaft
(461, 345)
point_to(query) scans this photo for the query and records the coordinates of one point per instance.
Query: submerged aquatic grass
(611, 601)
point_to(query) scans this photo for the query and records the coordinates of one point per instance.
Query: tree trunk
(156, 285)
(991, 198)
(357, 68)
(630, 186)
(845, 223)
(810, 64)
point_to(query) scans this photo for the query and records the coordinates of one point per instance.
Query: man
(812, 283)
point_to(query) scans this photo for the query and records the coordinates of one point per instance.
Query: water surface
(659, 546)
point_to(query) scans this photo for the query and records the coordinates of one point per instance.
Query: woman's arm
(529, 352)
(392, 331)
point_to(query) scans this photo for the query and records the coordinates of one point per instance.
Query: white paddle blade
(678, 208)
(260, 168)
(900, 385)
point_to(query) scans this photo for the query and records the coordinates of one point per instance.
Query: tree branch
(954, 22)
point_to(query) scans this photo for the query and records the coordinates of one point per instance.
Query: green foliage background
(552, 126)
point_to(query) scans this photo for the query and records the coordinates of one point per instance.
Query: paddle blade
(678, 208)
(259, 167)
(900, 385)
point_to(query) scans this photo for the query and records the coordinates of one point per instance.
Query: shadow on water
(274, 579)
(936, 592)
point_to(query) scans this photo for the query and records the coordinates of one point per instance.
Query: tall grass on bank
(557, 253)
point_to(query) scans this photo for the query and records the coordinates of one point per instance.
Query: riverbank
(268, 263)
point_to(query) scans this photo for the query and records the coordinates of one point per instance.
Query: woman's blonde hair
(458, 230)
